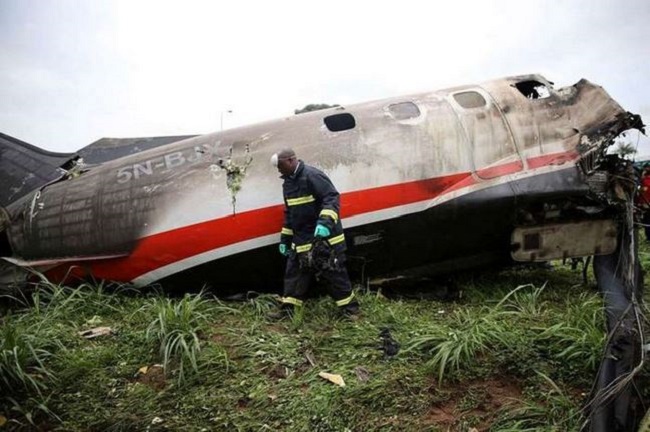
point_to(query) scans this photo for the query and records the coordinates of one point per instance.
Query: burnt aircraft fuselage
(507, 170)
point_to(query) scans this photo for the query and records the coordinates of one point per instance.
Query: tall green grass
(22, 361)
(520, 326)
(231, 368)
(177, 329)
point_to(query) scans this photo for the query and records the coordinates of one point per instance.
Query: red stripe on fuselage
(168, 247)
(552, 159)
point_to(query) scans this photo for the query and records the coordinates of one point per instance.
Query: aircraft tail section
(24, 167)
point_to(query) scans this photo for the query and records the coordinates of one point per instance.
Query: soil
(496, 394)
(154, 378)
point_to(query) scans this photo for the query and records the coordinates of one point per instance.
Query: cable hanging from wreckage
(620, 283)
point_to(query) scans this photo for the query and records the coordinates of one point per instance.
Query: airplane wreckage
(511, 170)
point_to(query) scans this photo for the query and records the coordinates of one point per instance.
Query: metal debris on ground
(310, 358)
(333, 378)
(96, 332)
(389, 346)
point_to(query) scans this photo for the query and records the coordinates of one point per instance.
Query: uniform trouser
(297, 280)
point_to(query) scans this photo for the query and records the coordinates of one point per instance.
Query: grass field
(515, 350)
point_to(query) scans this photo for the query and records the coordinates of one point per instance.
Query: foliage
(22, 363)
(625, 149)
(313, 107)
(516, 352)
(176, 328)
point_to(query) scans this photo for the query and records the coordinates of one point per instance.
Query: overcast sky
(72, 72)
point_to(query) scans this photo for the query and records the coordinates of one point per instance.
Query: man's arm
(330, 200)
(286, 234)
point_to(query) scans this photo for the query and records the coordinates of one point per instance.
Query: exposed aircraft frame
(508, 170)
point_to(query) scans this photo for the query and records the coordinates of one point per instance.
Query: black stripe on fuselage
(469, 231)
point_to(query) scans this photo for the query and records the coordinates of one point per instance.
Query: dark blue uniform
(310, 198)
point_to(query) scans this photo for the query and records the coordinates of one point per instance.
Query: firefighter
(311, 218)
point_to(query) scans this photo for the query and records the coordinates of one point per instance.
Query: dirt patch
(479, 401)
(275, 328)
(442, 415)
(502, 393)
(225, 341)
(219, 338)
(242, 403)
(277, 372)
(153, 377)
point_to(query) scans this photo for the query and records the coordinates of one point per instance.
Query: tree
(625, 149)
(314, 107)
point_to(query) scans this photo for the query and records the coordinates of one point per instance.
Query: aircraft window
(533, 89)
(340, 122)
(470, 99)
(404, 110)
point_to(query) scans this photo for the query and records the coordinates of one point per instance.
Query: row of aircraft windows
(346, 121)
(409, 110)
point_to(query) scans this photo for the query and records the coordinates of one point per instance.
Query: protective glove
(284, 249)
(321, 231)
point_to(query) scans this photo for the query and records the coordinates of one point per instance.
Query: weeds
(556, 411)
(263, 304)
(175, 331)
(469, 335)
(22, 365)
(504, 357)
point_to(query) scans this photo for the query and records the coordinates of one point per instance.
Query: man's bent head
(285, 161)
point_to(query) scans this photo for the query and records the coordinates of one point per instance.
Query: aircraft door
(493, 149)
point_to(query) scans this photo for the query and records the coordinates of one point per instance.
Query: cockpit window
(340, 122)
(470, 99)
(533, 89)
(404, 110)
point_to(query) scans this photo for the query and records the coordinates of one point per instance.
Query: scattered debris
(96, 332)
(77, 168)
(362, 373)
(279, 372)
(146, 369)
(389, 346)
(156, 420)
(152, 376)
(310, 358)
(94, 321)
(333, 378)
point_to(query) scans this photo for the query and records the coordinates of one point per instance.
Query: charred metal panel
(493, 149)
(107, 149)
(567, 240)
(89, 215)
(24, 168)
(533, 121)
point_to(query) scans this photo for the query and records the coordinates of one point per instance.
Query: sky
(74, 71)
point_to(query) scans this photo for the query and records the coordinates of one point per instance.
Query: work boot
(351, 311)
(285, 310)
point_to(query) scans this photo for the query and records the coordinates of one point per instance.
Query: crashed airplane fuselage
(511, 169)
